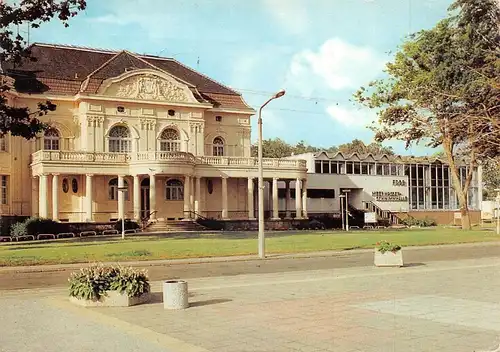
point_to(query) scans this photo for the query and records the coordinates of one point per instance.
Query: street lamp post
(342, 209)
(123, 189)
(261, 178)
(346, 192)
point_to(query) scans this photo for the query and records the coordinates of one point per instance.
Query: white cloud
(154, 18)
(337, 65)
(351, 117)
(272, 124)
(292, 15)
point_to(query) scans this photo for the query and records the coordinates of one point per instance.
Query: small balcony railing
(127, 158)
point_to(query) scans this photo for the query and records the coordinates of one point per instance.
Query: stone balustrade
(42, 156)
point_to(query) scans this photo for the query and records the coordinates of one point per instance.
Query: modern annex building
(387, 185)
(133, 136)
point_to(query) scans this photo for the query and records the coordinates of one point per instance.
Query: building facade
(133, 136)
(386, 183)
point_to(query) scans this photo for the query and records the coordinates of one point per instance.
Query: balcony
(79, 157)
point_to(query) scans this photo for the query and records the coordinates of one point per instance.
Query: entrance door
(145, 198)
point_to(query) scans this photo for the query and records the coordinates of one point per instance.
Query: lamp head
(279, 94)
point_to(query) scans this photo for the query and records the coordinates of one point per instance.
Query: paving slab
(439, 306)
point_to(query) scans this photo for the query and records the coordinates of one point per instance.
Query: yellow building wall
(197, 126)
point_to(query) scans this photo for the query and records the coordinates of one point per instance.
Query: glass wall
(358, 168)
(430, 185)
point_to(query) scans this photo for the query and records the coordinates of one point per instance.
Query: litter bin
(175, 294)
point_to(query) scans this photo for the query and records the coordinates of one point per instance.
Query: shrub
(128, 224)
(92, 283)
(384, 246)
(18, 229)
(35, 226)
(426, 222)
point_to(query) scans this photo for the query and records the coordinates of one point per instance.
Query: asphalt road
(27, 280)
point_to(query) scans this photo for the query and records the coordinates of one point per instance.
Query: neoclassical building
(134, 136)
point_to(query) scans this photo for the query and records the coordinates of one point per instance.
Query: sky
(319, 51)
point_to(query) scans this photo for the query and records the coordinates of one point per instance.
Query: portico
(153, 193)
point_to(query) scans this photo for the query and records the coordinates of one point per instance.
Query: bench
(5, 239)
(65, 235)
(368, 227)
(110, 232)
(87, 233)
(353, 227)
(46, 236)
(130, 231)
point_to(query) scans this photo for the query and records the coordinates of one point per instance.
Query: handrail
(147, 217)
(191, 212)
(384, 214)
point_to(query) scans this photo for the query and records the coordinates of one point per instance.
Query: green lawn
(221, 244)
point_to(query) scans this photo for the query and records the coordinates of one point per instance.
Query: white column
(121, 198)
(55, 198)
(298, 202)
(42, 196)
(276, 215)
(224, 198)
(197, 196)
(191, 195)
(304, 199)
(251, 208)
(152, 196)
(88, 197)
(288, 214)
(187, 197)
(34, 196)
(137, 198)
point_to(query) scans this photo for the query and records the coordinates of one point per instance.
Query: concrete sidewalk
(152, 263)
(449, 306)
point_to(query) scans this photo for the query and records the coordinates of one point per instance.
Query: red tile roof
(66, 69)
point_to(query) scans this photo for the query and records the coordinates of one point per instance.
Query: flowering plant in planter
(385, 246)
(95, 281)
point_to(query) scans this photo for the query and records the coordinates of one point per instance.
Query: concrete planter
(388, 258)
(112, 299)
(175, 294)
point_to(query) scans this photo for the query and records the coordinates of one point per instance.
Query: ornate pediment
(147, 86)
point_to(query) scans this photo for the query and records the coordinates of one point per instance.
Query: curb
(248, 258)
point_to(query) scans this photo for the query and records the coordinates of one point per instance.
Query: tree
(439, 90)
(302, 147)
(273, 148)
(358, 146)
(13, 49)
(491, 177)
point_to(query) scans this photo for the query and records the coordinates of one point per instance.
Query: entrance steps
(162, 225)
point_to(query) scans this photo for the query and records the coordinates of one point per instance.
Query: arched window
(119, 140)
(218, 146)
(170, 140)
(174, 190)
(51, 139)
(113, 189)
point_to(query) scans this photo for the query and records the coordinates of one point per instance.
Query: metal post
(342, 210)
(123, 227)
(261, 179)
(121, 190)
(261, 192)
(498, 210)
(346, 213)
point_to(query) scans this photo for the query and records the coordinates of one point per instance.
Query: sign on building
(370, 218)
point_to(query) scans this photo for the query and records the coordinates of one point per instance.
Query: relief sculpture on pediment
(150, 87)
